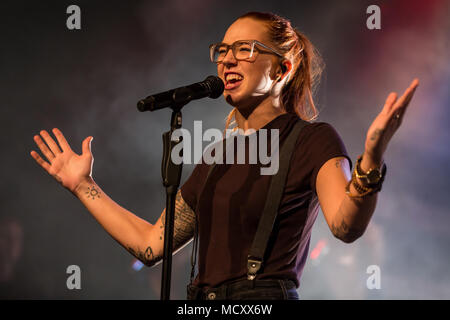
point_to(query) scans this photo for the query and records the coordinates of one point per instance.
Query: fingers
(50, 142)
(397, 110)
(44, 149)
(61, 140)
(87, 145)
(392, 97)
(40, 161)
(409, 92)
(402, 103)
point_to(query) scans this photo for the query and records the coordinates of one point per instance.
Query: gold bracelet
(361, 195)
(358, 187)
(363, 191)
(376, 174)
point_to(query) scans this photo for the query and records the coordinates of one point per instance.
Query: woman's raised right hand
(67, 167)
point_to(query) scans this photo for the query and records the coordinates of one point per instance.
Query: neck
(259, 117)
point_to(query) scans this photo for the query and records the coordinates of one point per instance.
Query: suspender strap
(273, 199)
(195, 240)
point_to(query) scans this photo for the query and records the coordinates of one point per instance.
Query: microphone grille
(215, 85)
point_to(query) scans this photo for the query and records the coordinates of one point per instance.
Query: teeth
(233, 76)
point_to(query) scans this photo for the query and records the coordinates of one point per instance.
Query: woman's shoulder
(318, 130)
(318, 124)
(320, 139)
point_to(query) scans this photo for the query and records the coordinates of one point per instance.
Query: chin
(245, 108)
(232, 99)
(235, 100)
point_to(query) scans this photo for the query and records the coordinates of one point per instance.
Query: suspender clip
(253, 266)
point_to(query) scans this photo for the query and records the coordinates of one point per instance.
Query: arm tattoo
(346, 233)
(92, 192)
(338, 163)
(183, 231)
(184, 222)
(163, 225)
(376, 134)
(147, 257)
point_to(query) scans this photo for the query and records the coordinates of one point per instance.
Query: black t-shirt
(233, 200)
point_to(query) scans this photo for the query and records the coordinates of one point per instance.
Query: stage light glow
(137, 265)
(315, 253)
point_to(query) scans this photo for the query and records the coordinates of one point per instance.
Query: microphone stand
(171, 175)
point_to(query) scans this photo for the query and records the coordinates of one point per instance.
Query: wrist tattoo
(376, 134)
(93, 192)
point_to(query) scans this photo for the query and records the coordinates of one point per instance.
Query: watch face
(374, 176)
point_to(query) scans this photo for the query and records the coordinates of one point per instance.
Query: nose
(229, 59)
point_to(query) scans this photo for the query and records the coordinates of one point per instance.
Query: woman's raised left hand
(387, 122)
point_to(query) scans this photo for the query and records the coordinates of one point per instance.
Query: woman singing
(270, 70)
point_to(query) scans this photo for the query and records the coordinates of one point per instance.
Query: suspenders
(266, 222)
(276, 188)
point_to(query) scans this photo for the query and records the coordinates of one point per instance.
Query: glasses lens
(243, 50)
(218, 52)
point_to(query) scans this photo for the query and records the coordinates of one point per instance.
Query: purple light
(137, 265)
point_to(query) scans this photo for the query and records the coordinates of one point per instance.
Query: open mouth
(232, 80)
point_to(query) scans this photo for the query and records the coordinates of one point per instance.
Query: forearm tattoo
(147, 257)
(184, 224)
(344, 232)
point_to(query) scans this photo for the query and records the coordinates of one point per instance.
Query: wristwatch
(373, 177)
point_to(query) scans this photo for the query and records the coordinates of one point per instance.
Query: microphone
(211, 87)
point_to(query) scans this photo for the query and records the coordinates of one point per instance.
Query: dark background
(87, 82)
